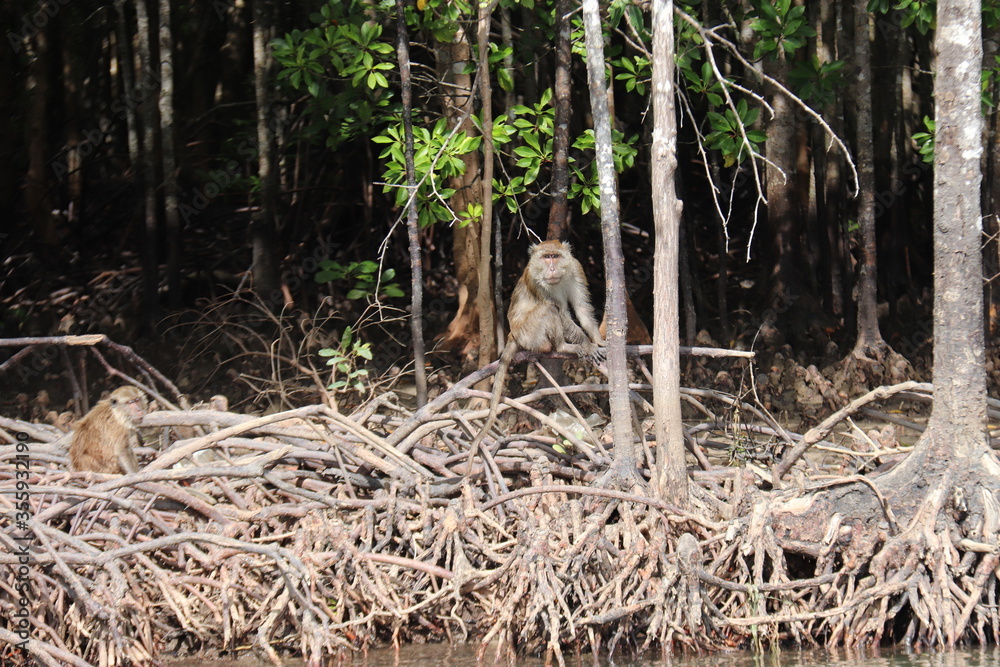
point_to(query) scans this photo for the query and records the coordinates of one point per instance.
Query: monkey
(104, 438)
(218, 403)
(552, 282)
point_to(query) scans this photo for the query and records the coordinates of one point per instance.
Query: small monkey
(104, 438)
(540, 320)
(218, 403)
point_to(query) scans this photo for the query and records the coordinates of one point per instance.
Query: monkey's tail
(499, 382)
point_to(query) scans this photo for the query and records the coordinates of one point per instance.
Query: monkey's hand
(595, 354)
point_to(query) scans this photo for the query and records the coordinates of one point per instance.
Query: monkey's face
(555, 266)
(128, 403)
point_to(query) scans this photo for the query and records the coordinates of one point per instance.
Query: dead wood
(313, 532)
(817, 433)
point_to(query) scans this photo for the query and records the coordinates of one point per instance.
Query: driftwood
(317, 533)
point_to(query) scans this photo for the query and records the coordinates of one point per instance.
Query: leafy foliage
(991, 77)
(727, 133)
(342, 63)
(586, 187)
(495, 60)
(364, 276)
(817, 82)
(631, 13)
(921, 13)
(925, 141)
(782, 27)
(346, 361)
(531, 132)
(437, 155)
(638, 71)
(703, 82)
(991, 14)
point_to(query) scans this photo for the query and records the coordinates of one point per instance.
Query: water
(464, 655)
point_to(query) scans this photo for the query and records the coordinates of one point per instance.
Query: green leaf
(506, 79)
(718, 121)
(526, 152)
(532, 173)
(393, 291)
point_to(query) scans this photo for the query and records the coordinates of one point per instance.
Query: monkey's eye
(134, 401)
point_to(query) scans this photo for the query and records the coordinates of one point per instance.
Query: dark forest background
(139, 203)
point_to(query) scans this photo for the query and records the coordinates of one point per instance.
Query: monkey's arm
(129, 464)
(126, 456)
(584, 311)
(585, 342)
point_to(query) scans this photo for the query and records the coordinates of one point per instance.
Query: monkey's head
(127, 404)
(219, 403)
(553, 257)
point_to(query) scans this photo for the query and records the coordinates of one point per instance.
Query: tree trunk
(37, 202)
(457, 99)
(827, 171)
(558, 228)
(956, 432)
(126, 68)
(563, 96)
(487, 330)
(869, 336)
(150, 122)
(124, 57)
(958, 420)
(171, 190)
(782, 196)
(263, 227)
(671, 473)
(70, 170)
(624, 469)
(412, 223)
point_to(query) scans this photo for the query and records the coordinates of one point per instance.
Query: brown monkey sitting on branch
(540, 320)
(104, 438)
